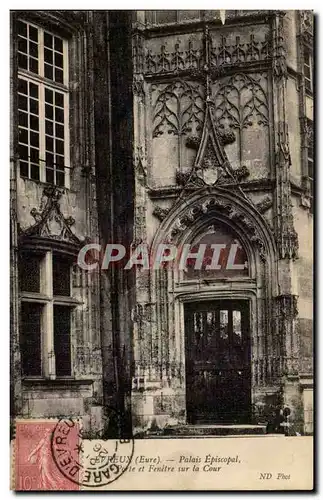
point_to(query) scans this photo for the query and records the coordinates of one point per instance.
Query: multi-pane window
(46, 306)
(43, 105)
(171, 16)
(308, 69)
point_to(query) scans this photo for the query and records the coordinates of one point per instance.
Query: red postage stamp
(35, 467)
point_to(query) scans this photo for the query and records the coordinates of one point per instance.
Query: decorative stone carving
(211, 165)
(138, 86)
(144, 312)
(212, 206)
(227, 136)
(286, 234)
(50, 222)
(182, 177)
(288, 306)
(287, 313)
(279, 65)
(138, 51)
(240, 100)
(250, 51)
(307, 25)
(176, 60)
(160, 213)
(264, 205)
(289, 246)
(191, 59)
(140, 169)
(193, 142)
(242, 173)
(178, 106)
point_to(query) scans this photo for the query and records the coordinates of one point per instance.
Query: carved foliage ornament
(160, 213)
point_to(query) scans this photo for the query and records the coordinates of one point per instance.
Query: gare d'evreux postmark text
(89, 462)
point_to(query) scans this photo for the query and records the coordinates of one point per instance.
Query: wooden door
(218, 371)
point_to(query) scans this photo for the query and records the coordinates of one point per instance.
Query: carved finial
(53, 192)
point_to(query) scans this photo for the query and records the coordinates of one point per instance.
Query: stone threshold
(210, 436)
(215, 430)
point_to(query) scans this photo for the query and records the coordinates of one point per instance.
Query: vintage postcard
(162, 183)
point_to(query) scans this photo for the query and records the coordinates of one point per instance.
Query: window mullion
(66, 140)
(41, 51)
(42, 154)
(41, 107)
(48, 317)
(66, 116)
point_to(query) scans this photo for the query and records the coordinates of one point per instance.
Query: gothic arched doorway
(215, 332)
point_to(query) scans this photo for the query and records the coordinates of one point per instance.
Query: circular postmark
(87, 461)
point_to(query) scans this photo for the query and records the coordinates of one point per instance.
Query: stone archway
(164, 367)
(172, 293)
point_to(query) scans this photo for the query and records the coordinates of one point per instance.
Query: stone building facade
(203, 121)
(69, 160)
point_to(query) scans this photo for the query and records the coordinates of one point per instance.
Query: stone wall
(68, 217)
(250, 73)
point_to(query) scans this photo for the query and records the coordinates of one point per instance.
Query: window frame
(308, 63)
(42, 83)
(153, 21)
(48, 301)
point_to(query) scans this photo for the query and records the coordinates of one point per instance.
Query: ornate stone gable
(49, 220)
(211, 160)
(211, 165)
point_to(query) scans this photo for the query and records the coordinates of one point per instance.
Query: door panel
(218, 374)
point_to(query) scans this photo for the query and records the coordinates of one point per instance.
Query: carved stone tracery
(240, 100)
(178, 106)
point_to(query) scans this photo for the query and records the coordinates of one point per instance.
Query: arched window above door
(224, 255)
